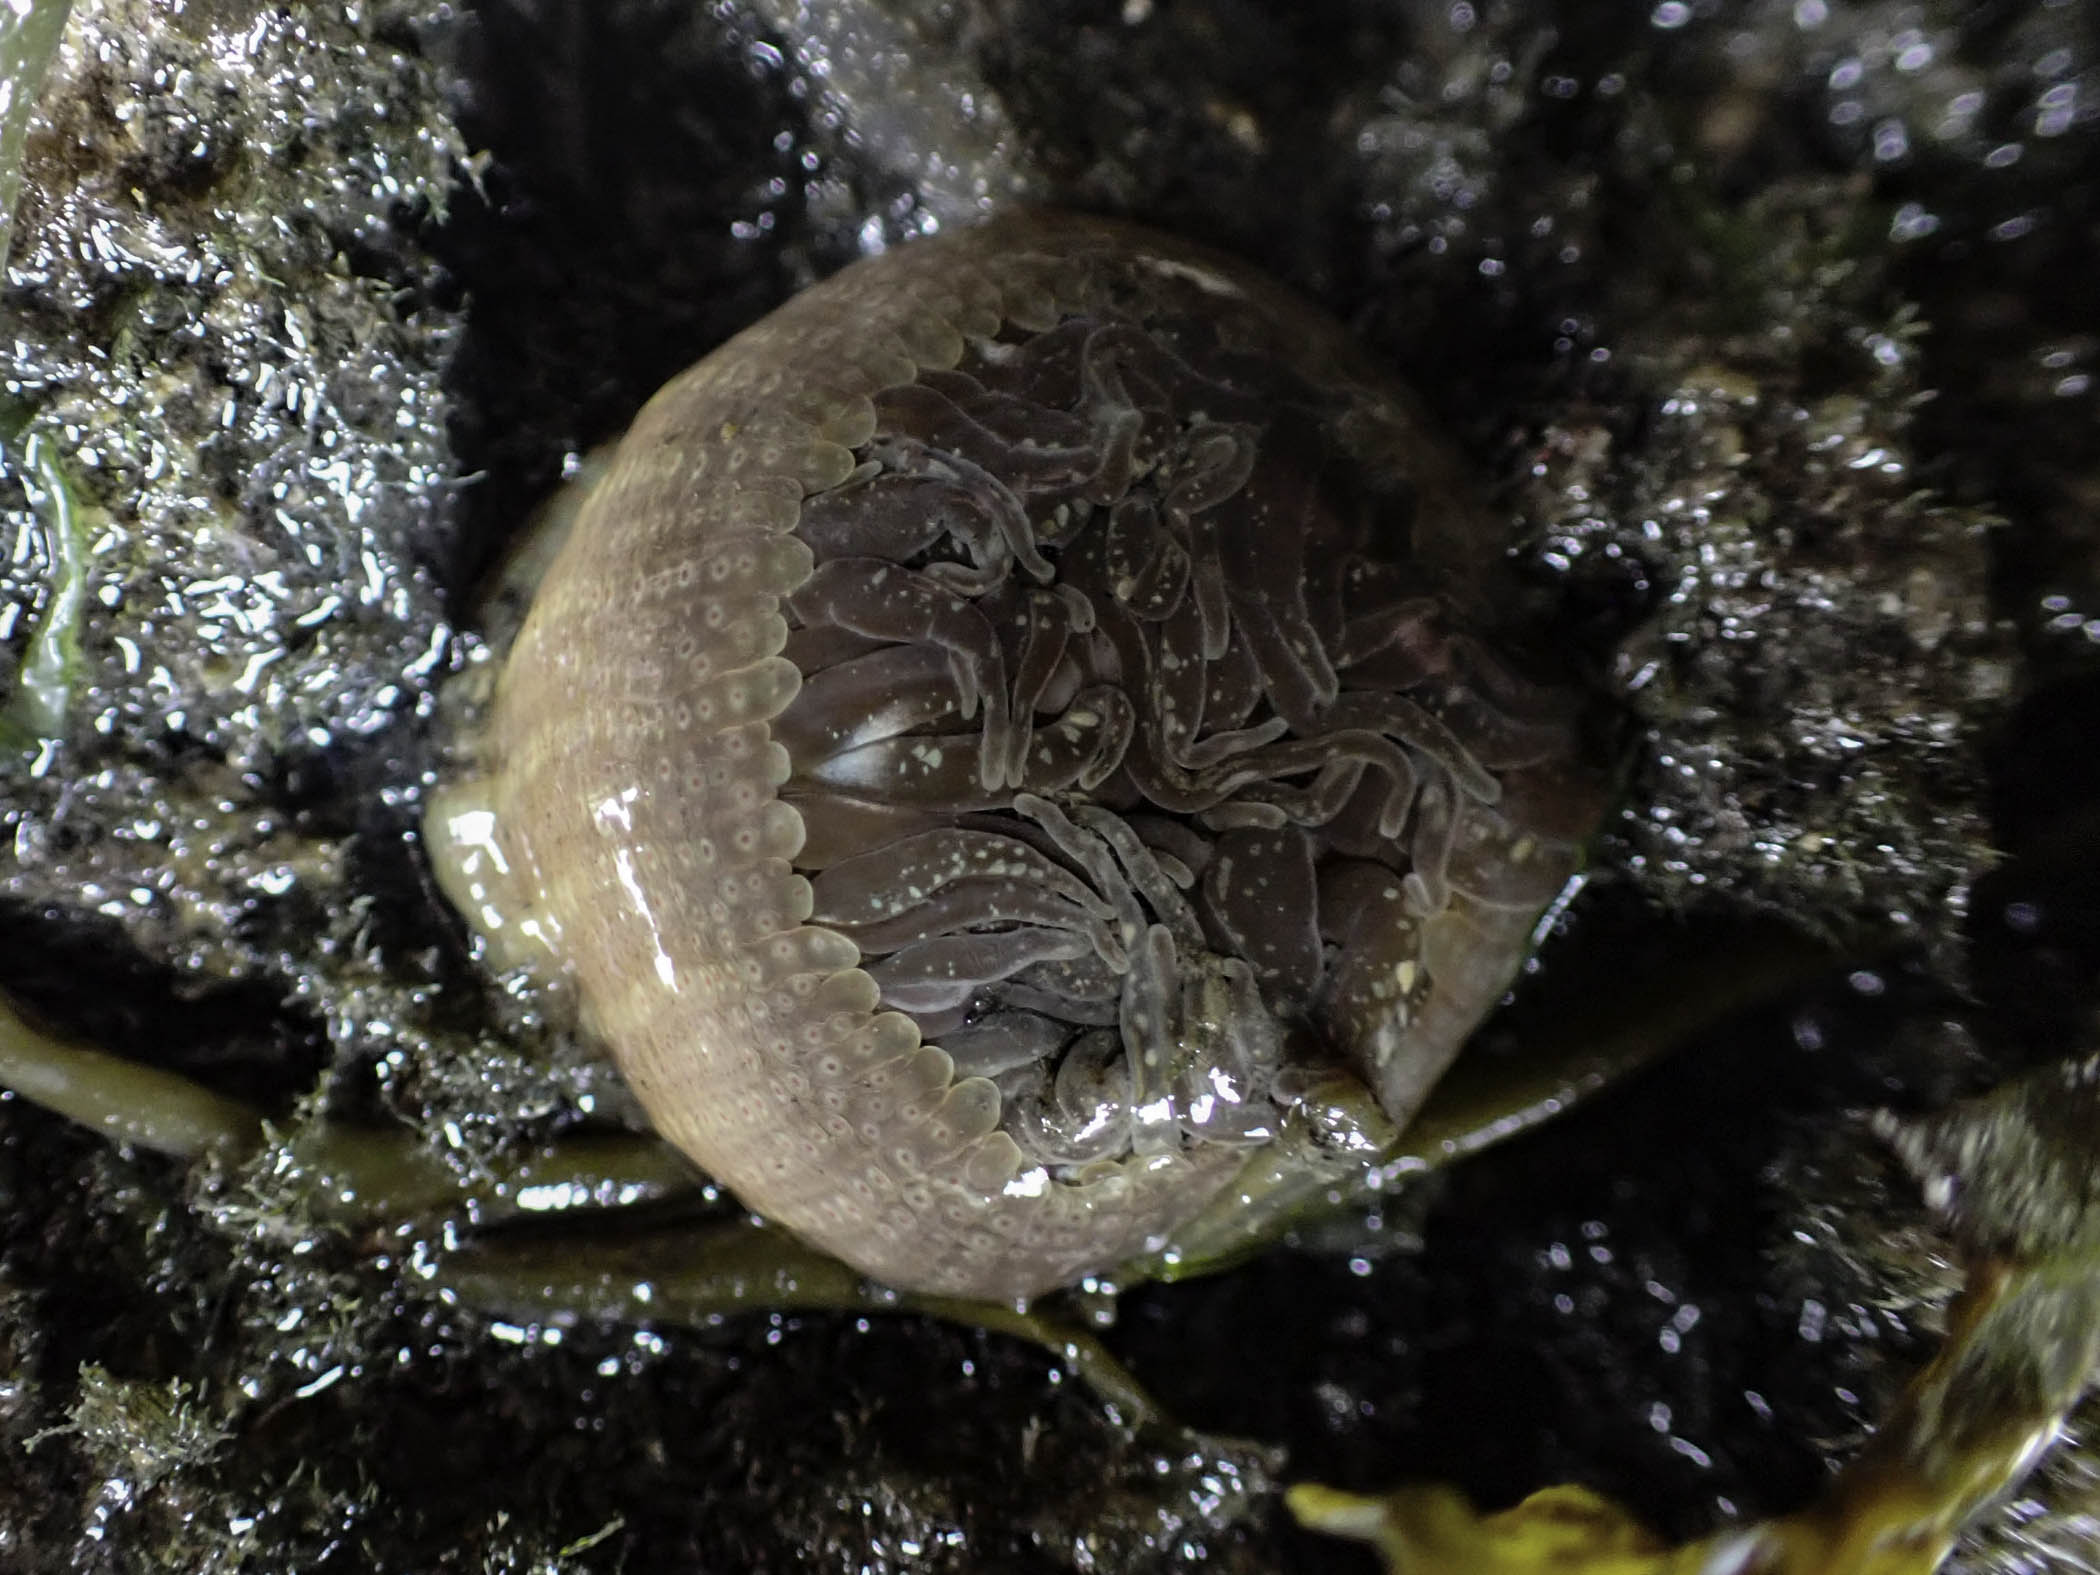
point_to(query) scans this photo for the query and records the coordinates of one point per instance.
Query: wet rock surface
(1771, 330)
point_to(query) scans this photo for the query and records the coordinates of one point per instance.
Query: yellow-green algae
(2016, 1170)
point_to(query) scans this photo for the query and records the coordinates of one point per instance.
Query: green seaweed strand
(37, 711)
(123, 1100)
(29, 35)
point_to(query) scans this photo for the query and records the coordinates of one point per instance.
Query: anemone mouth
(1137, 738)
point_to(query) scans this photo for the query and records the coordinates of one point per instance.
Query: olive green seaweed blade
(34, 716)
(29, 35)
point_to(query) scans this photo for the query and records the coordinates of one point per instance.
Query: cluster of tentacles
(1131, 745)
